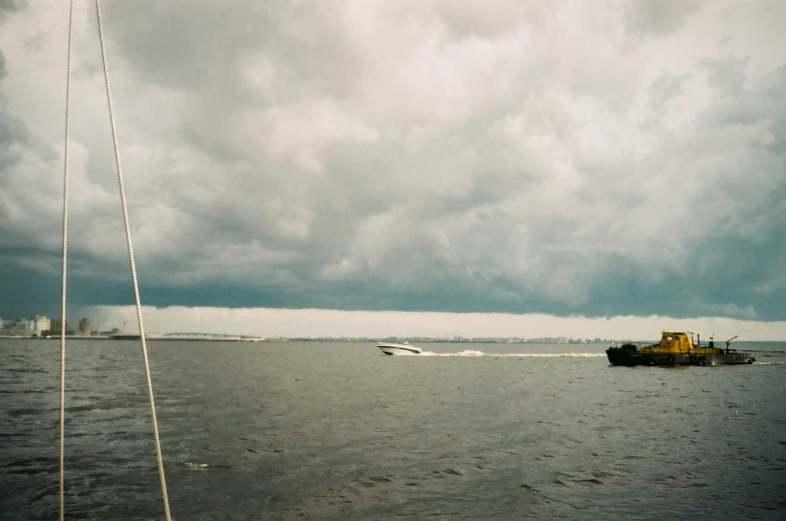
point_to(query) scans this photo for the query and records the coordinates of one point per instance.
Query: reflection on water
(341, 431)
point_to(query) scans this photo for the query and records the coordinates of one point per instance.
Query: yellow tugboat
(677, 349)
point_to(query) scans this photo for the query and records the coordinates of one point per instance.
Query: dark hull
(628, 357)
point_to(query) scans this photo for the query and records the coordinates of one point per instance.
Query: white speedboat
(398, 349)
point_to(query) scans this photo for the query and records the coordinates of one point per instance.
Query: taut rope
(159, 457)
(65, 256)
(133, 266)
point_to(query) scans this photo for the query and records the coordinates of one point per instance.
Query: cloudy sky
(596, 159)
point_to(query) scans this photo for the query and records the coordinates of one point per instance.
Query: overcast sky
(593, 159)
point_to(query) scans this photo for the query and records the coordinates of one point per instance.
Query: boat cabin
(676, 342)
(679, 342)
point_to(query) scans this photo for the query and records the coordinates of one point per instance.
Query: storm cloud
(595, 159)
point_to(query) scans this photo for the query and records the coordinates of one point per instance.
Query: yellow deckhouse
(681, 343)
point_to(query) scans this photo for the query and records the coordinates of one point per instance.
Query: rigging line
(133, 267)
(65, 256)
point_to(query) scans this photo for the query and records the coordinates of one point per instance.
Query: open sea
(339, 431)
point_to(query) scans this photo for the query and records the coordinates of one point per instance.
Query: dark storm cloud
(414, 156)
(733, 266)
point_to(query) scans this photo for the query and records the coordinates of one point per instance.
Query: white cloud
(600, 158)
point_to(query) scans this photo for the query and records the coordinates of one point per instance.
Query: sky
(401, 165)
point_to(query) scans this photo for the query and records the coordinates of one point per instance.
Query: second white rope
(159, 457)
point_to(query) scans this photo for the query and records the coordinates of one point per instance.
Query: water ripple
(341, 432)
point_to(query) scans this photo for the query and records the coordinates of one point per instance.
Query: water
(339, 431)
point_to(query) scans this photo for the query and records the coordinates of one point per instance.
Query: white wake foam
(470, 352)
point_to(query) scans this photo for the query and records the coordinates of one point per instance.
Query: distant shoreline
(208, 338)
(122, 337)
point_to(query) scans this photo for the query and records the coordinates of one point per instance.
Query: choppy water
(340, 431)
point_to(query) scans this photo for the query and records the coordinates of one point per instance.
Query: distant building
(56, 327)
(19, 327)
(41, 324)
(84, 327)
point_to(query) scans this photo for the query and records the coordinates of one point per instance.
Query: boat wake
(470, 352)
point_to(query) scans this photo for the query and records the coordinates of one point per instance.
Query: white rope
(65, 256)
(133, 268)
